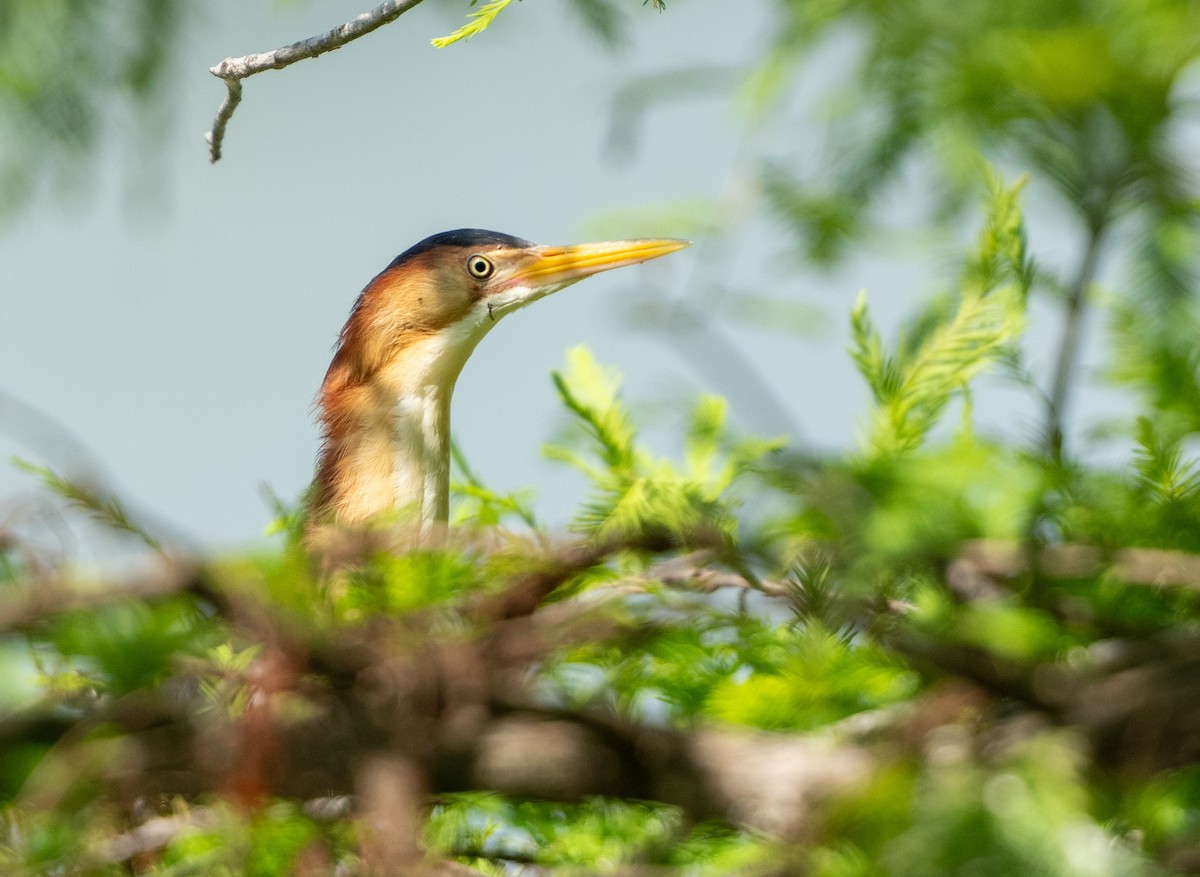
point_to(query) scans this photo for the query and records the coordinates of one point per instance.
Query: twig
(530, 588)
(691, 571)
(216, 135)
(234, 70)
(1064, 371)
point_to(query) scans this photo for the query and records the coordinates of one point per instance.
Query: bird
(384, 404)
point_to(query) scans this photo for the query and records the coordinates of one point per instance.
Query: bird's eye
(480, 267)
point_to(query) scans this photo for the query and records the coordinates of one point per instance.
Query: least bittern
(385, 402)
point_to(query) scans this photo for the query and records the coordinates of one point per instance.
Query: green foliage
(1025, 811)
(602, 17)
(597, 833)
(268, 846)
(392, 582)
(404, 582)
(600, 834)
(633, 491)
(737, 670)
(913, 386)
(480, 506)
(106, 508)
(477, 22)
(1154, 323)
(129, 646)
(817, 679)
(955, 503)
(1083, 97)
(1041, 79)
(1159, 462)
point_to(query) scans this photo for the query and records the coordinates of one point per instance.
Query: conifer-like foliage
(941, 651)
(938, 358)
(480, 20)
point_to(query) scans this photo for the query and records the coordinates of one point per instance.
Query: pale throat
(422, 378)
(420, 383)
(388, 433)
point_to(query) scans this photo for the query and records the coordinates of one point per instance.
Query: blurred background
(167, 321)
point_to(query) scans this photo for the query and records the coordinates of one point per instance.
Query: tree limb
(24, 608)
(994, 558)
(234, 70)
(1068, 345)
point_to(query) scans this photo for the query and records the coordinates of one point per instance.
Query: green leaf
(633, 491)
(1160, 465)
(477, 22)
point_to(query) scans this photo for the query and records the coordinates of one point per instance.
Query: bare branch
(234, 70)
(216, 135)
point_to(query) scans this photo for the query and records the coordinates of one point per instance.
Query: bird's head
(385, 401)
(437, 299)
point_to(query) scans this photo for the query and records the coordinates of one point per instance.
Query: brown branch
(234, 70)
(765, 781)
(28, 606)
(458, 711)
(994, 558)
(529, 589)
(691, 571)
(768, 782)
(216, 134)
(388, 713)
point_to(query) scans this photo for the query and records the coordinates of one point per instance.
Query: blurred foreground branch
(459, 710)
(1135, 566)
(24, 607)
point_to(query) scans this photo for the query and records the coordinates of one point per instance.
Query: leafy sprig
(477, 22)
(633, 490)
(937, 357)
(102, 505)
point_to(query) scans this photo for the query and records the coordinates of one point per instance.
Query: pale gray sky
(183, 341)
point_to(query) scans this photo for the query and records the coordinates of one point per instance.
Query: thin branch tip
(233, 70)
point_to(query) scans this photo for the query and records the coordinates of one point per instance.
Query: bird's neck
(387, 431)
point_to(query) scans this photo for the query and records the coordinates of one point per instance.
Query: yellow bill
(555, 266)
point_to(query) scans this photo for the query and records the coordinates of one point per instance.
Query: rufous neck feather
(385, 410)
